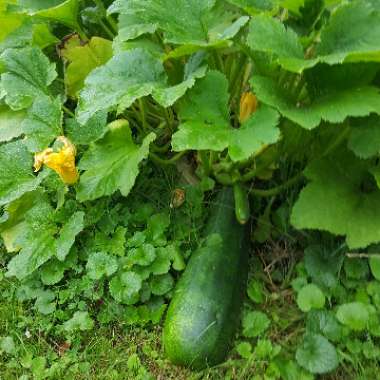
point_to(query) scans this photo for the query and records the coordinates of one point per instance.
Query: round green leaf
(143, 255)
(100, 264)
(374, 264)
(354, 315)
(160, 285)
(7, 345)
(125, 287)
(255, 323)
(317, 354)
(310, 297)
(244, 349)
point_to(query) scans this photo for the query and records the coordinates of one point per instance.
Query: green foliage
(310, 297)
(205, 124)
(112, 163)
(317, 354)
(27, 75)
(131, 86)
(338, 204)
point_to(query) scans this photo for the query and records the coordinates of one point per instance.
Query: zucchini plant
(256, 95)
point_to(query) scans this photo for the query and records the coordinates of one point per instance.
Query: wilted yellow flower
(248, 105)
(62, 162)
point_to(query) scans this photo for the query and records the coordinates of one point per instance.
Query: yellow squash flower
(62, 162)
(248, 105)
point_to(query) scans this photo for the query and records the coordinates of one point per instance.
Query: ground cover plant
(121, 121)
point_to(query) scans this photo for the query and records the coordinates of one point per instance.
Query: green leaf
(244, 349)
(125, 287)
(10, 123)
(7, 345)
(37, 241)
(255, 323)
(334, 106)
(168, 96)
(16, 174)
(157, 225)
(143, 255)
(324, 322)
(354, 315)
(317, 354)
(162, 263)
(69, 231)
(112, 163)
(126, 77)
(310, 297)
(19, 31)
(28, 73)
(160, 285)
(205, 122)
(194, 23)
(42, 36)
(293, 6)
(356, 44)
(101, 264)
(9, 24)
(374, 264)
(52, 272)
(255, 291)
(45, 302)
(81, 321)
(82, 59)
(323, 265)
(335, 202)
(364, 139)
(43, 123)
(359, 42)
(356, 268)
(269, 35)
(41, 239)
(65, 12)
(252, 6)
(13, 222)
(93, 130)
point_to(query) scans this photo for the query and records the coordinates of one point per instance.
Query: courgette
(205, 309)
(242, 209)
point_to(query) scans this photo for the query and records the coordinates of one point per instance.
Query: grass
(117, 353)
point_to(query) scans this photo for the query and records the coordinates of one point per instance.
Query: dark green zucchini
(205, 309)
(242, 209)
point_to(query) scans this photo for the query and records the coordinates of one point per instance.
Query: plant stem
(142, 113)
(218, 61)
(81, 33)
(161, 149)
(107, 30)
(205, 162)
(171, 161)
(341, 136)
(278, 189)
(68, 111)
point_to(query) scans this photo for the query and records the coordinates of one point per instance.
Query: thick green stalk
(171, 161)
(278, 189)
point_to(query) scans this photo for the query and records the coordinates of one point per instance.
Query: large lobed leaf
(128, 76)
(205, 122)
(194, 23)
(112, 163)
(334, 106)
(336, 200)
(82, 59)
(42, 239)
(28, 73)
(16, 174)
(116, 85)
(351, 35)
